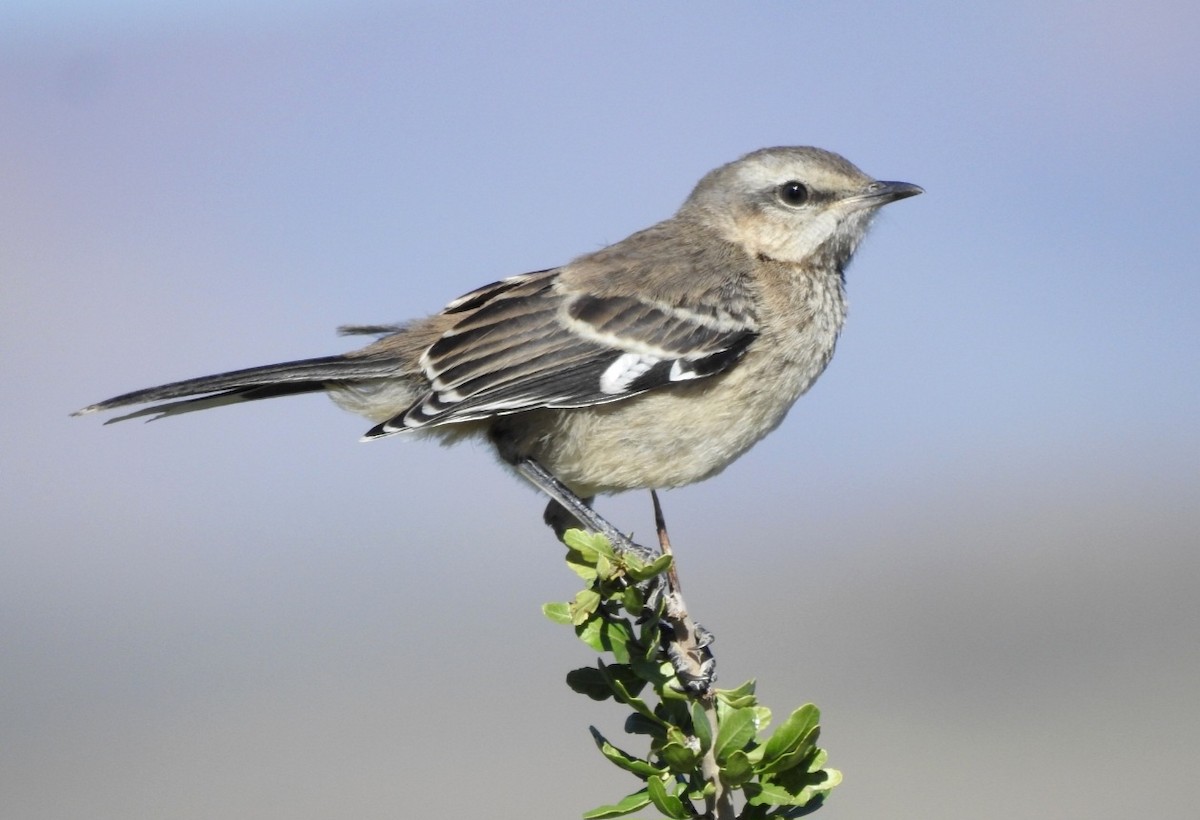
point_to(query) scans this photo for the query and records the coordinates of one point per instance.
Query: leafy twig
(704, 742)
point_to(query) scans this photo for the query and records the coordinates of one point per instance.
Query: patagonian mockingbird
(651, 363)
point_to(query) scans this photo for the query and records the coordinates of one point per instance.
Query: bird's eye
(793, 193)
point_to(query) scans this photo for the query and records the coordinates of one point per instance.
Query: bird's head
(794, 205)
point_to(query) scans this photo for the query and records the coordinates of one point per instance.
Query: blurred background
(973, 544)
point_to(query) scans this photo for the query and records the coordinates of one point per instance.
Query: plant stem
(692, 643)
(719, 804)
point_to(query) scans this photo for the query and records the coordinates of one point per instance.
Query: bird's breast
(675, 435)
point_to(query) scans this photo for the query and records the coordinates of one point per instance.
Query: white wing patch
(682, 371)
(624, 371)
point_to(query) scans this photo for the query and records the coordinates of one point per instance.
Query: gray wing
(531, 342)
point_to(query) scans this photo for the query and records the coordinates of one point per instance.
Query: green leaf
(818, 760)
(664, 801)
(637, 724)
(589, 633)
(801, 754)
(607, 636)
(585, 571)
(629, 678)
(767, 794)
(793, 740)
(744, 702)
(745, 690)
(650, 640)
(642, 768)
(736, 769)
(674, 691)
(557, 611)
(589, 681)
(631, 560)
(586, 603)
(730, 700)
(627, 805)
(655, 567)
(631, 684)
(734, 731)
(762, 716)
(679, 757)
(623, 695)
(580, 541)
(615, 637)
(675, 733)
(604, 568)
(633, 600)
(792, 788)
(588, 544)
(701, 727)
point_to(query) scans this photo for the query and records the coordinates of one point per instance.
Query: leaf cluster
(693, 743)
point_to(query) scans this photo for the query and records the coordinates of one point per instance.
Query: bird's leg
(685, 641)
(559, 519)
(566, 508)
(566, 505)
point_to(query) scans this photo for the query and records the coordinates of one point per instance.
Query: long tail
(250, 384)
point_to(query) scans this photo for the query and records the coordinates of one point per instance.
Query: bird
(651, 363)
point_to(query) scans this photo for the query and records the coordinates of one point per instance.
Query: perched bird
(651, 363)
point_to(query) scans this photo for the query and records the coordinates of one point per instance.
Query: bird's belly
(668, 437)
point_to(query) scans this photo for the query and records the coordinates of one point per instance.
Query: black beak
(885, 192)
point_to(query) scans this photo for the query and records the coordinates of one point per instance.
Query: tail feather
(175, 408)
(249, 384)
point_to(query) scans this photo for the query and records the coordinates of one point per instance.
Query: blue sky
(978, 530)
